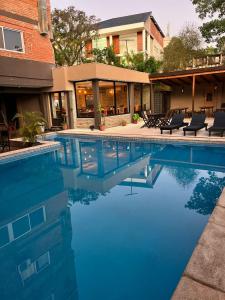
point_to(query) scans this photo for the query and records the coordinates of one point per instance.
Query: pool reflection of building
(98, 165)
(36, 258)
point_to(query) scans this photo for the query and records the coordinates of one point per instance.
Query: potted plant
(135, 118)
(64, 125)
(123, 122)
(32, 123)
(102, 118)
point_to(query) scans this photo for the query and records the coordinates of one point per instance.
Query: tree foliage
(214, 29)
(31, 125)
(206, 193)
(105, 56)
(72, 29)
(141, 63)
(182, 49)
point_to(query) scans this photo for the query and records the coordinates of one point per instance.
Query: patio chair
(177, 121)
(148, 121)
(197, 123)
(219, 123)
(166, 120)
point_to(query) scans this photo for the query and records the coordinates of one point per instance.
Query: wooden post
(152, 106)
(193, 93)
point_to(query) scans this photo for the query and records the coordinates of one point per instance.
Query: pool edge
(204, 273)
(44, 147)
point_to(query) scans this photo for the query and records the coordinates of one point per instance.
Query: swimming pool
(103, 219)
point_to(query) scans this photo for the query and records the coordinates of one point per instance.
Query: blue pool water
(103, 219)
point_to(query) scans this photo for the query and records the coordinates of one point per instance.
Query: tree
(141, 63)
(105, 56)
(191, 37)
(184, 176)
(206, 193)
(214, 29)
(182, 49)
(72, 29)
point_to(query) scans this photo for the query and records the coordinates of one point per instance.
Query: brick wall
(37, 47)
(155, 33)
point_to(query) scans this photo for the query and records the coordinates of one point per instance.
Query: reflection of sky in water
(104, 219)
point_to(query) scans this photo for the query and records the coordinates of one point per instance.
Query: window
(21, 226)
(4, 236)
(42, 262)
(59, 108)
(107, 97)
(11, 39)
(37, 217)
(122, 98)
(84, 99)
(29, 268)
(113, 97)
(137, 97)
(146, 97)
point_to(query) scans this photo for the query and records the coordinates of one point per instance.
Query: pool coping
(203, 277)
(43, 147)
(166, 138)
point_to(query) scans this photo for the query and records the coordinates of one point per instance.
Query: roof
(126, 20)
(207, 75)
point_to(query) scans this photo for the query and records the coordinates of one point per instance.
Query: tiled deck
(135, 131)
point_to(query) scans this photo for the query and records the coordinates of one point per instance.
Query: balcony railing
(212, 60)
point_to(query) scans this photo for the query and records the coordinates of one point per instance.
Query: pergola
(212, 75)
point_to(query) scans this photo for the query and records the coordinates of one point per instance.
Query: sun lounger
(176, 122)
(219, 123)
(197, 123)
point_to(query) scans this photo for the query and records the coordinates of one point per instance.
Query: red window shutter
(139, 41)
(116, 44)
(88, 48)
(108, 41)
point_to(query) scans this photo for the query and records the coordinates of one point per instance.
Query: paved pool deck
(135, 131)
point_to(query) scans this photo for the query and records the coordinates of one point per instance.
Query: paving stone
(218, 216)
(221, 200)
(189, 289)
(207, 263)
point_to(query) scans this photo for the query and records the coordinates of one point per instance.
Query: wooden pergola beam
(186, 75)
(193, 92)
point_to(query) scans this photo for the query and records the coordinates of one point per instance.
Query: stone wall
(112, 121)
(84, 122)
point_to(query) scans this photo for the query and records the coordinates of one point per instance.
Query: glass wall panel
(85, 99)
(59, 108)
(107, 97)
(122, 98)
(146, 97)
(137, 97)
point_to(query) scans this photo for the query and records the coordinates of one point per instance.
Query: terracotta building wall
(23, 15)
(139, 41)
(155, 33)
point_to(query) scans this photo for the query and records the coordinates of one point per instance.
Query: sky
(177, 13)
